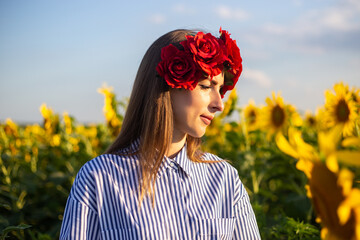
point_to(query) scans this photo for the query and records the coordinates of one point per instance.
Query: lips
(206, 119)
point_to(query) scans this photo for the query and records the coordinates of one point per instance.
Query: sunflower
(51, 120)
(45, 111)
(310, 120)
(11, 129)
(110, 110)
(251, 116)
(68, 121)
(229, 105)
(340, 109)
(334, 209)
(336, 202)
(274, 116)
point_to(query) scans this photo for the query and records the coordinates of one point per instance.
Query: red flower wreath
(207, 52)
(203, 55)
(233, 63)
(178, 68)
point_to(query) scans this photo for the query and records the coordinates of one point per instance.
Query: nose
(216, 102)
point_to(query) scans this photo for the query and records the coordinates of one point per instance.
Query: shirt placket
(176, 177)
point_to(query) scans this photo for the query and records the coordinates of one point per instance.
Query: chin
(197, 134)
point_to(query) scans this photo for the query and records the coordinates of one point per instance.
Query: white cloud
(157, 18)
(231, 13)
(317, 30)
(297, 2)
(257, 77)
(341, 18)
(182, 9)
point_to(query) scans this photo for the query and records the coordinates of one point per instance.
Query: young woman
(154, 182)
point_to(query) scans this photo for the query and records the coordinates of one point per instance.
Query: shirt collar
(181, 161)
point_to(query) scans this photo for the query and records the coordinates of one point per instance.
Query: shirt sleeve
(80, 220)
(246, 226)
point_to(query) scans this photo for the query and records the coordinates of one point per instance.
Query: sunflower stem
(255, 182)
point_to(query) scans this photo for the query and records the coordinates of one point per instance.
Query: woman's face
(194, 110)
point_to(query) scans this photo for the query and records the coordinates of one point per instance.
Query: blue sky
(61, 52)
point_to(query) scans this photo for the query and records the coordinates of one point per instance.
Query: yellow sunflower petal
(344, 210)
(345, 179)
(357, 226)
(328, 140)
(304, 149)
(285, 146)
(351, 141)
(332, 163)
(324, 232)
(341, 88)
(308, 194)
(349, 157)
(306, 166)
(105, 89)
(268, 101)
(45, 111)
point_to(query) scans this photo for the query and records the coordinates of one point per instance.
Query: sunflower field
(301, 170)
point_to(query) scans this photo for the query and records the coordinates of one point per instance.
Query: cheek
(181, 100)
(187, 104)
(180, 104)
(178, 114)
(200, 101)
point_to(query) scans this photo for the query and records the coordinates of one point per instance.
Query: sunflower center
(311, 121)
(278, 116)
(252, 117)
(342, 111)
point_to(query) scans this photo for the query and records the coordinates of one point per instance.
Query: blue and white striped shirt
(192, 201)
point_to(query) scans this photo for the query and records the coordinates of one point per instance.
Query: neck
(176, 145)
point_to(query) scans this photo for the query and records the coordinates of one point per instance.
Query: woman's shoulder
(210, 157)
(108, 162)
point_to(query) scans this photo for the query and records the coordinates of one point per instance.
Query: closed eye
(204, 86)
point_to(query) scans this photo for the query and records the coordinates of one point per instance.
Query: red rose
(233, 64)
(207, 51)
(178, 68)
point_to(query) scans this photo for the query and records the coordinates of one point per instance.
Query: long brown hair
(149, 116)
